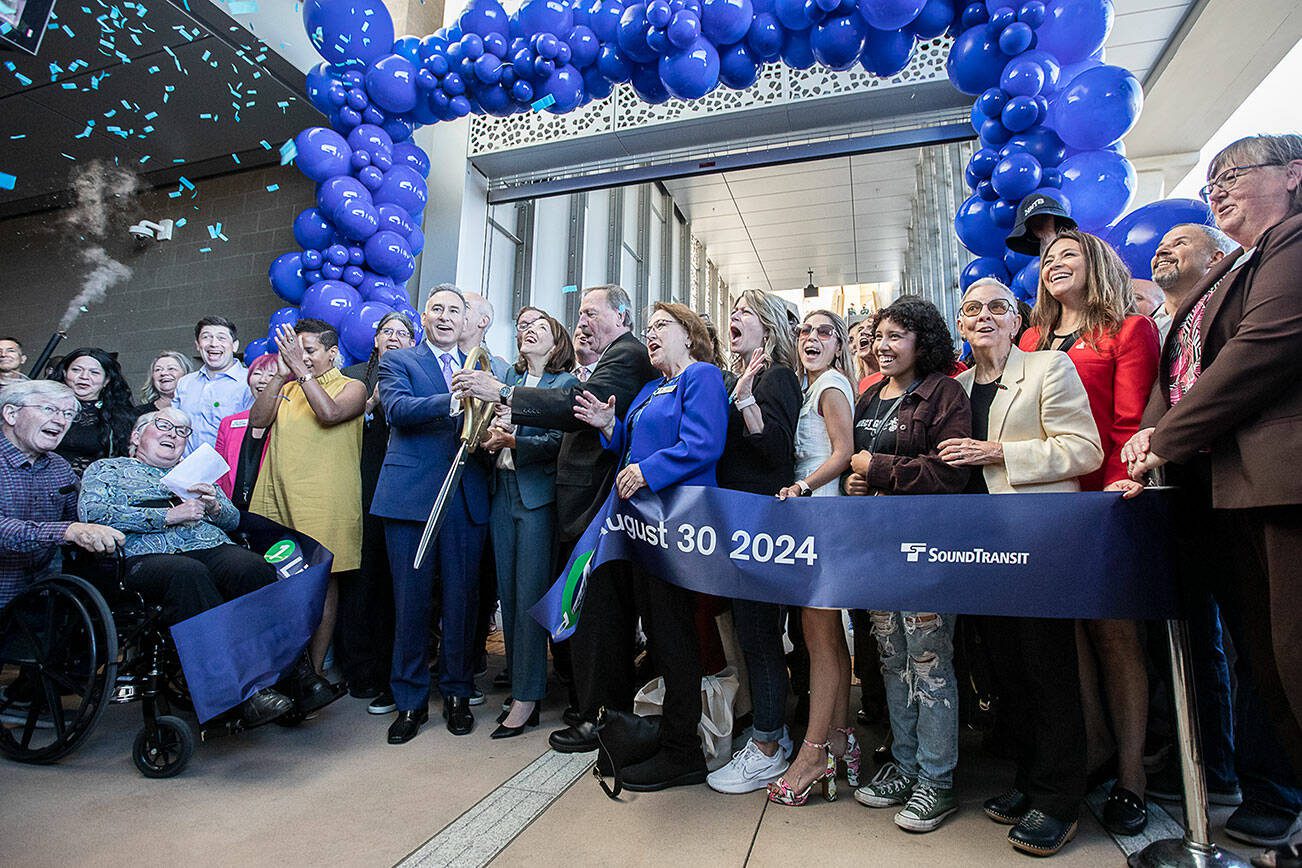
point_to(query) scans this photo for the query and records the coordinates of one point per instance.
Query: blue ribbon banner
(232, 651)
(1079, 555)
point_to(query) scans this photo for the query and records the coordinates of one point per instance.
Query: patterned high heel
(781, 793)
(851, 756)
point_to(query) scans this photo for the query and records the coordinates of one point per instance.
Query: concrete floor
(332, 792)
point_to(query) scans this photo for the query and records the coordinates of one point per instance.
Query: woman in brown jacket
(899, 424)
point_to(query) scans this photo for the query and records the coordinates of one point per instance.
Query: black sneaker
(663, 771)
(1007, 808)
(502, 679)
(476, 696)
(1039, 834)
(1165, 785)
(382, 704)
(1263, 825)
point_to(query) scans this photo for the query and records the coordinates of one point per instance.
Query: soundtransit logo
(913, 551)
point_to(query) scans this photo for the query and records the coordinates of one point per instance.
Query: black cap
(1038, 204)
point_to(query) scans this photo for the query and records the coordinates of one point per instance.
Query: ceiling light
(811, 291)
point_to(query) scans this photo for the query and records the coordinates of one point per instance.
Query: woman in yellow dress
(310, 479)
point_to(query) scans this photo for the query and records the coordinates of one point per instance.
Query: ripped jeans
(917, 653)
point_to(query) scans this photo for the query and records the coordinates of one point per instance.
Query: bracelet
(302, 381)
(748, 401)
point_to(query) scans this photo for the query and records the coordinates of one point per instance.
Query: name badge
(666, 389)
(239, 423)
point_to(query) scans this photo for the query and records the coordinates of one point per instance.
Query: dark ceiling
(167, 88)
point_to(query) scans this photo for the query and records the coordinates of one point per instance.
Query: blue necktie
(446, 361)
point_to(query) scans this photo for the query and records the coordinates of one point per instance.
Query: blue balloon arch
(1048, 112)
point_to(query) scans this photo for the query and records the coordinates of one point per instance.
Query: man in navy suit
(424, 424)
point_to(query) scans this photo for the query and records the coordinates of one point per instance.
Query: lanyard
(891, 411)
(635, 414)
(1067, 340)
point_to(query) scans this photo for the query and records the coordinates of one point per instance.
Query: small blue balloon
(980, 268)
(683, 29)
(1004, 213)
(977, 230)
(737, 67)
(658, 13)
(370, 140)
(1031, 13)
(388, 253)
(691, 73)
(403, 186)
(1020, 114)
(409, 154)
(764, 38)
(1015, 176)
(330, 271)
(1027, 281)
(565, 86)
(357, 219)
(724, 22)
(334, 193)
(983, 162)
(1048, 64)
(973, 15)
(1041, 143)
(337, 254)
(311, 259)
(284, 316)
(584, 47)
(318, 85)
(796, 50)
(286, 276)
(991, 102)
(986, 191)
(391, 83)
(975, 61)
(256, 348)
(791, 14)
(994, 133)
(838, 41)
(1022, 78)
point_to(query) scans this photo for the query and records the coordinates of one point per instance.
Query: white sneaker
(750, 769)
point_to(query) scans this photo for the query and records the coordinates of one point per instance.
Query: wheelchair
(72, 644)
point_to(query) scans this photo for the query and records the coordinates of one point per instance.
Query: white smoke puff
(100, 190)
(105, 272)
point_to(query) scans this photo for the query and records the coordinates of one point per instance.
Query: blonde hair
(149, 394)
(1108, 297)
(843, 361)
(779, 343)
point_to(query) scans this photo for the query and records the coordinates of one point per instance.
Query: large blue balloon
(792, 15)
(376, 288)
(890, 14)
(388, 253)
(403, 186)
(605, 20)
(886, 52)
(357, 332)
(837, 41)
(318, 83)
(1040, 142)
(975, 61)
(395, 218)
(765, 36)
(1099, 107)
(692, 73)
(796, 52)
(357, 219)
(406, 153)
(391, 84)
(1015, 176)
(483, 17)
(312, 230)
(977, 229)
(329, 300)
(286, 276)
(1026, 282)
(632, 35)
(647, 84)
(565, 85)
(584, 46)
(737, 66)
(370, 140)
(283, 316)
(1075, 29)
(983, 266)
(332, 195)
(546, 16)
(933, 20)
(1100, 186)
(1137, 235)
(724, 22)
(350, 32)
(322, 153)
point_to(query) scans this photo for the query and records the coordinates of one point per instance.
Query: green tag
(279, 552)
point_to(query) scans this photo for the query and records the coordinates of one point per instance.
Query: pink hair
(266, 360)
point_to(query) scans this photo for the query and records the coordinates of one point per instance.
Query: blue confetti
(288, 152)
(271, 188)
(540, 104)
(242, 7)
(570, 288)
(7, 181)
(185, 182)
(179, 223)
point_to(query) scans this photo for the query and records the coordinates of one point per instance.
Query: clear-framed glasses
(656, 328)
(52, 412)
(997, 306)
(824, 331)
(167, 427)
(1227, 179)
(523, 325)
(398, 332)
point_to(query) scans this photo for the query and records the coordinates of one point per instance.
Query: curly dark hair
(114, 411)
(935, 353)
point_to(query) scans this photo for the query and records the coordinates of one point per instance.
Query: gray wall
(173, 284)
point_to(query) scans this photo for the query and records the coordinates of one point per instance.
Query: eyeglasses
(168, 427)
(51, 412)
(523, 326)
(1227, 179)
(657, 327)
(997, 306)
(395, 333)
(824, 331)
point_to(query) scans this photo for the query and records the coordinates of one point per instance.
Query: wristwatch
(805, 490)
(302, 381)
(504, 395)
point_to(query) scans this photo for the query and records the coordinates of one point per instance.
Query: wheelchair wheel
(164, 752)
(58, 660)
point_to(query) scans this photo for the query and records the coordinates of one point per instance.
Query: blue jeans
(759, 632)
(917, 653)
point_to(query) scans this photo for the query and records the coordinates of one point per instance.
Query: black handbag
(623, 739)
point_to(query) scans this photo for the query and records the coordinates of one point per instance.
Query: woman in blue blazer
(671, 435)
(524, 513)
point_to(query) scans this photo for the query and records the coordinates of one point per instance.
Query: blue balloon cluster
(1049, 114)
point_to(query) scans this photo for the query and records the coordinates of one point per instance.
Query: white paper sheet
(201, 465)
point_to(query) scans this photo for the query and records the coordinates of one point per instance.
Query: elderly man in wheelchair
(178, 551)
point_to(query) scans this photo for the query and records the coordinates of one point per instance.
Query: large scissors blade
(441, 504)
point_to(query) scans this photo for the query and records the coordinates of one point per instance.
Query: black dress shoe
(404, 729)
(1124, 813)
(264, 706)
(504, 731)
(571, 716)
(456, 711)
(502, 679)
(665, 770)
(574, 739)
(1039, 834)
(309, 690)
(1007, 808)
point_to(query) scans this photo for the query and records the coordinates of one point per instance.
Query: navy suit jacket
(678, 429)
(423, 440)
(536, 448)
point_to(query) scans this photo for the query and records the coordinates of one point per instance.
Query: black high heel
(504, 731)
